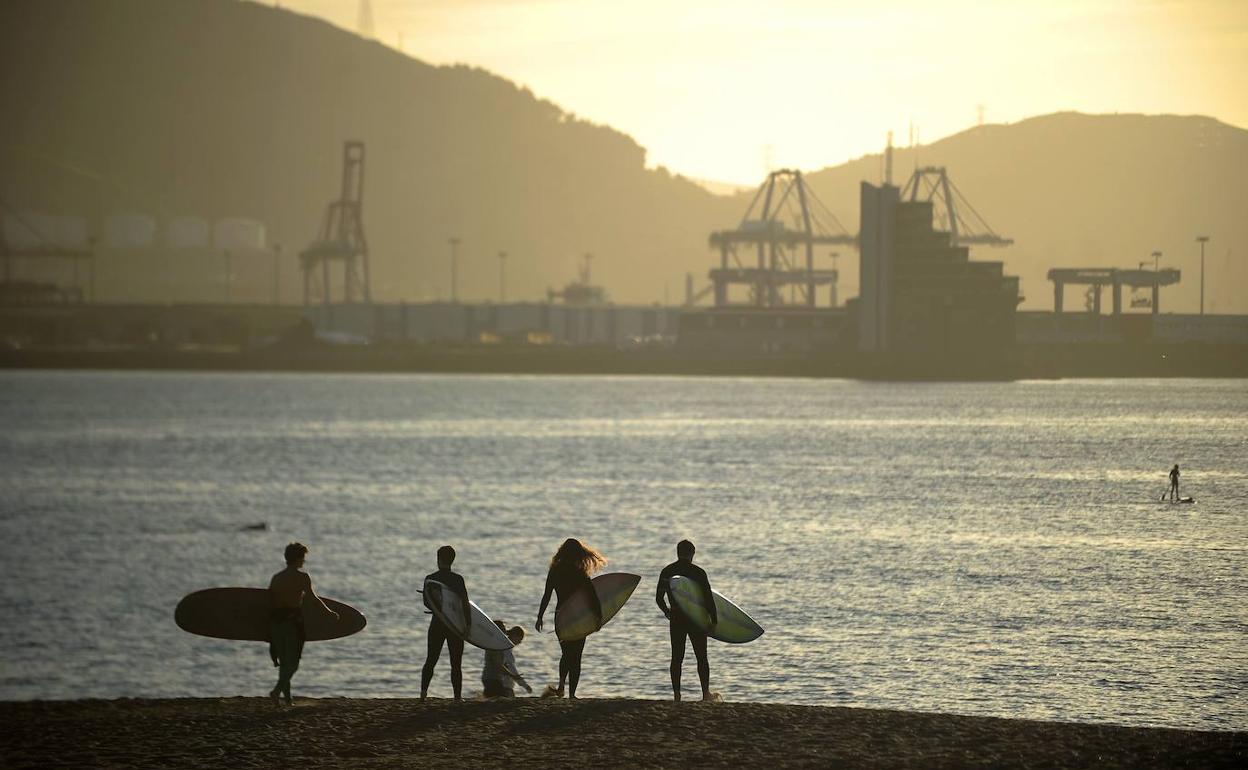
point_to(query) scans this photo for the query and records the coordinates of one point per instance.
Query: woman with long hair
(570, 569)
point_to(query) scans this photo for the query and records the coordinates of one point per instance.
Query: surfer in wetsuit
(679, 627)
(1174, 482)
(439, 633)
(286, 632)
(569, 572)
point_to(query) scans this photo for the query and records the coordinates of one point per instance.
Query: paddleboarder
(439, 633)
(286, 632)
(1174, 483)
(569, 572)
(679, 627)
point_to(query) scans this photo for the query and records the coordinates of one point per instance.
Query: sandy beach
(529, 732)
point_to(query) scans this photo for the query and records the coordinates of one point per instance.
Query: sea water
(991, 549)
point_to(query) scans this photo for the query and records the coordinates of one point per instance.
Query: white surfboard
(447, 607)
(734, 625)
(575, 618)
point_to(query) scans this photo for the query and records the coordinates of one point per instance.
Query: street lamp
(454, 259)
(1202, 240)
(502, 285)
(1156, 255)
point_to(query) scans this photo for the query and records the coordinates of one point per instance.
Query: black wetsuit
(679, 627)
(565, 584)
(1174, 483)
(439, 633)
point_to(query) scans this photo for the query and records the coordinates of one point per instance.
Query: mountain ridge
(217, 108)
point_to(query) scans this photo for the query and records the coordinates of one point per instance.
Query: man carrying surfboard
(439, 633)
(679, 627)
(286, 633)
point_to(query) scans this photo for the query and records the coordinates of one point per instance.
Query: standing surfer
(286, 632)
(679, 627)
(1174, 483)
(438, 631)
(569, 572)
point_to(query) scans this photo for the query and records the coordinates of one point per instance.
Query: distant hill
(215, 108)
(218, 108)
(1078, 190)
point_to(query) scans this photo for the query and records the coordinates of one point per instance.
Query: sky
(724, 90)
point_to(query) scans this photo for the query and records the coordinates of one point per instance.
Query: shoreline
(1045, 363)
(602, 733)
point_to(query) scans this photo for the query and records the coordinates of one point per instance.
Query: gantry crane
(789, 224)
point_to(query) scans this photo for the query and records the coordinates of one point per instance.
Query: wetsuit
(565, 584)
(439, 633)
(286, 638)
(679, 626)
(1174, 483)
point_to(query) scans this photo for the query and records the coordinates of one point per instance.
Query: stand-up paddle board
(243, 613)
(448, 607)
(733, 624)
(575, 618)
(1180, 501)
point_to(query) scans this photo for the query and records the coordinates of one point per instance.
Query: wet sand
(530, 732)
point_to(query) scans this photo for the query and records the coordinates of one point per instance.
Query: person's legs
(704, 666)
(564, 658)
(287, 649)
(455, 646)
(437, 635)
(676, 630)
(574, 651)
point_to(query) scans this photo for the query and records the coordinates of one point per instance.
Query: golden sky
(723, 89)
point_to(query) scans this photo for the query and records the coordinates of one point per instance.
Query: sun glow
(720, 90)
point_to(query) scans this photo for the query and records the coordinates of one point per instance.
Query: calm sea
(991, 549)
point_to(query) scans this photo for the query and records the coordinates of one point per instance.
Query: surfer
(500, 672)
(569, 572)
(1174, 483)
(286, 632)
(439, 633)
(679, 627)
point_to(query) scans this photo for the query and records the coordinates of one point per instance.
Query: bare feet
(676, 697)
(273, 696)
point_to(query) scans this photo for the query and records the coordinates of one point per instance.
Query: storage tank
(239, 234)
(18, 232)
(187, 233)
(71, 232)
(127, 231)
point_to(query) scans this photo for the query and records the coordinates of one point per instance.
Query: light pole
(1202, 240)
(502, 277)
(454, 260)
(1156, 255)
(277, 274)
(227, 276)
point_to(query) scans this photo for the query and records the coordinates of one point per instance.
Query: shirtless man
(286, 634)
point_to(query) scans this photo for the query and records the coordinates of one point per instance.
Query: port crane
(783, 224)
(955, 214)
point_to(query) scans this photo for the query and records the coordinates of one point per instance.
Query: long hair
(575, 556)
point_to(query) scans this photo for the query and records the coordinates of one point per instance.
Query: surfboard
(447, 607)
(575, 618)
(734, 625)
(243, 614)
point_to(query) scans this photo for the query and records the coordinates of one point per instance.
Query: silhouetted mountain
(215, 108)
(1078, 190)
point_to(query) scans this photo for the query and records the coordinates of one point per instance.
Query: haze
(721, 90)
